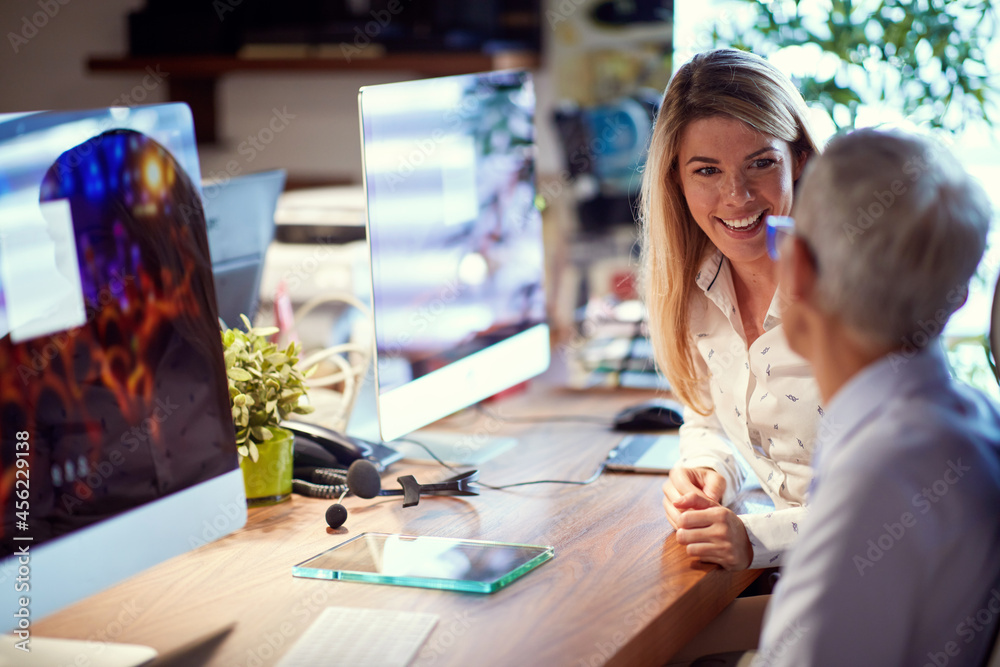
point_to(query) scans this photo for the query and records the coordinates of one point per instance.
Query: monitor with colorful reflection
(116, 440)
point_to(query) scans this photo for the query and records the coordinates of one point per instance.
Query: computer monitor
(116, 437)
(455, 240)
(239, 213)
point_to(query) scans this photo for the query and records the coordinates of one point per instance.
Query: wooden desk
(619, 591)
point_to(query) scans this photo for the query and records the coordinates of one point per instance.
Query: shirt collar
(773, 317)
(715, 280)
(708, 272)
(895, 375)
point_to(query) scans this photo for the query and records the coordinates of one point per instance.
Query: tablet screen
(425, 562)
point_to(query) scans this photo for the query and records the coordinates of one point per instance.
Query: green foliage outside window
(924, 58)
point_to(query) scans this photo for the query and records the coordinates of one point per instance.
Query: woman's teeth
(743, 223)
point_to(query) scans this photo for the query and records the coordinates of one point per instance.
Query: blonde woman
(730, 141)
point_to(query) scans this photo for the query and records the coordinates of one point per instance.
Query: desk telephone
(322, 447)
(322, 456)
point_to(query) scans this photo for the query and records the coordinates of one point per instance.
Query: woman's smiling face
(732, 177)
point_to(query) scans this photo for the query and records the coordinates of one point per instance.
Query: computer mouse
(657, 414)
(319, 446)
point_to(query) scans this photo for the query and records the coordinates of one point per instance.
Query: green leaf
(260, 433)
(239, 374)
(276, 358)
(269, 384)
(254, 452)
(263, 332)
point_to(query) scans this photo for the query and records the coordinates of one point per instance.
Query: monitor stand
(52, 651)
(457, 448)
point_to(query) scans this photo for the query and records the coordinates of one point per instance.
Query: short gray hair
(897, 228)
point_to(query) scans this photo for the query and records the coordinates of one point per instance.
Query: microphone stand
(459, 485)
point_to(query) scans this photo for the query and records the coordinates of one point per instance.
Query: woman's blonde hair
(725, 82)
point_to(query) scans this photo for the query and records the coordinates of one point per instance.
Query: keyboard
(354, 637)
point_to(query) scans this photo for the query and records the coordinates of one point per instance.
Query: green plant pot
(269, 480)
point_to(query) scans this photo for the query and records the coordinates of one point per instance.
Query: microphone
(364, 481)
(336, 514)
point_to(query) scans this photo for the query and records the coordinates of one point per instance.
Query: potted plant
(264, 388)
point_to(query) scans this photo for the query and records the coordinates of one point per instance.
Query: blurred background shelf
(193, 78)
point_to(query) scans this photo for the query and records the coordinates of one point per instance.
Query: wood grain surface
(619, 591)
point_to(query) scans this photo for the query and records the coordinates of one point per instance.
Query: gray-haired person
(898, 562)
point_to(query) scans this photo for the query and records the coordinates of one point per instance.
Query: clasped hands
(710, 531)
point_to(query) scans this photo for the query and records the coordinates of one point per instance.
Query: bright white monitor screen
(455, 240)
(117, 448)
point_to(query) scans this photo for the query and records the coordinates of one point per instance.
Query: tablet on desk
(643, 452)
(473, 566)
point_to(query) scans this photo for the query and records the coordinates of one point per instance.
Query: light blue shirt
(898, 562)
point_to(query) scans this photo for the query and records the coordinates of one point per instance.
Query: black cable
(304, 488)
(319, 482)
(542, 420)
(589, 480)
